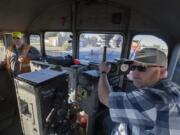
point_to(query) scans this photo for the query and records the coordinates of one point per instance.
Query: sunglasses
(142, 68)
(16, 38)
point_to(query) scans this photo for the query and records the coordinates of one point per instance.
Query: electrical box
(38, 95)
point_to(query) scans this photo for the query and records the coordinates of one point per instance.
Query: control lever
(104, 54)
(51, 115)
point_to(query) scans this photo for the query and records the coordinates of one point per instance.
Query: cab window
(176, 76)
(35, 41)
(2, 50)
(147, 41)
(91, 46)
(58, 43)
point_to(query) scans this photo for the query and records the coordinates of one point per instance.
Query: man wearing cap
(19, 54)
(151, 109)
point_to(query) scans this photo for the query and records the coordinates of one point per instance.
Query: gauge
(124, 67)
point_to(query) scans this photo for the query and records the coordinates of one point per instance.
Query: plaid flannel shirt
(147, 111)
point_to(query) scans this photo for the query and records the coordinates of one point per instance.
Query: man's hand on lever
(103, 86)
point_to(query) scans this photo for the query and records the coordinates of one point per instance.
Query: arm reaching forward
(103, 86)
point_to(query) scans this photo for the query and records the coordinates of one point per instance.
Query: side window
(2, 50)
(58, 43)
(176, 76)
(35, 41)
(147, 41)
(91, 46)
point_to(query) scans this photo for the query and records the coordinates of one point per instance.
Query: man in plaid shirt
(154, 107)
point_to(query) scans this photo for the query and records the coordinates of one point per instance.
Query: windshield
(91, 46)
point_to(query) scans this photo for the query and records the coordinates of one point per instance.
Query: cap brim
(146, 64)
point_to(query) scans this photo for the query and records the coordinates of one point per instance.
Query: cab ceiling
(19, 14)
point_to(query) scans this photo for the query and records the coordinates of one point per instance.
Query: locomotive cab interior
(71, 36)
